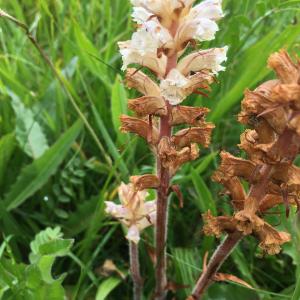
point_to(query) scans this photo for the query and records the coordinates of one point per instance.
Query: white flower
(133, 212)
(144, 46)
(209, 9)
(200, 23)
(141, 15)
(172, 88)
(164, 9)
(209, 60)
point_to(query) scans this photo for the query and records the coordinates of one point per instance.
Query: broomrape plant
(165, 30)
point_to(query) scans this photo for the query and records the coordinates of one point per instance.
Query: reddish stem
(218, 258)
(162, 199)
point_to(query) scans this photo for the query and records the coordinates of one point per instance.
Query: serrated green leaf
(35, 175)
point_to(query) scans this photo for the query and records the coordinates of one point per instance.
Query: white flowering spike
(133, 212)
(165, 29)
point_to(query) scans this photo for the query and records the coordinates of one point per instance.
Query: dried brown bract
(144, 182)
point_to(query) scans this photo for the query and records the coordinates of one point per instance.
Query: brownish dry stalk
(273, 111)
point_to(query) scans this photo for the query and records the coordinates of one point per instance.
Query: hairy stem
(162, 218)
(135, 271)
(218, 258)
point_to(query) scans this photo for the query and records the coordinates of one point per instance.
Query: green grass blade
(106, 287)
(7, 146)
(35, 175)
(204, 199)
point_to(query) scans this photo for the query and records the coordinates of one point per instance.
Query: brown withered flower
(272, 110)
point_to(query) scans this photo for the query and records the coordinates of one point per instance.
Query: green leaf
(118, 107)
(59, 247)
(7, 147)
(35, 175)
(29, 133)
(205, 200)
(106, 287)
(205, 162)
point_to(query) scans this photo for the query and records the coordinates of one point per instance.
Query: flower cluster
(134, 212)
(272, 110)
(165, 29)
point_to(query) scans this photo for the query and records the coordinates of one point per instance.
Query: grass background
(53, 173)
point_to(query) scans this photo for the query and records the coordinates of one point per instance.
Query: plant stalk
(218, 258)
(135, 271)
(162, 203)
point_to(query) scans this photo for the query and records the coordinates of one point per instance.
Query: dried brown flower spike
(272, 111)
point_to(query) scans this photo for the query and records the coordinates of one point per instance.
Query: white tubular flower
(133, 212)
(141, 15)
(166, 10)
(144, 46)
(200, 23)
(172, 88)
(209, 60)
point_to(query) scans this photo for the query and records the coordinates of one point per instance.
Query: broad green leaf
(106, 287)
(29, 133)
(35, 175)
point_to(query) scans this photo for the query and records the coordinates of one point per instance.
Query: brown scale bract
(199, 135)
(140, 127)
(143, 182)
